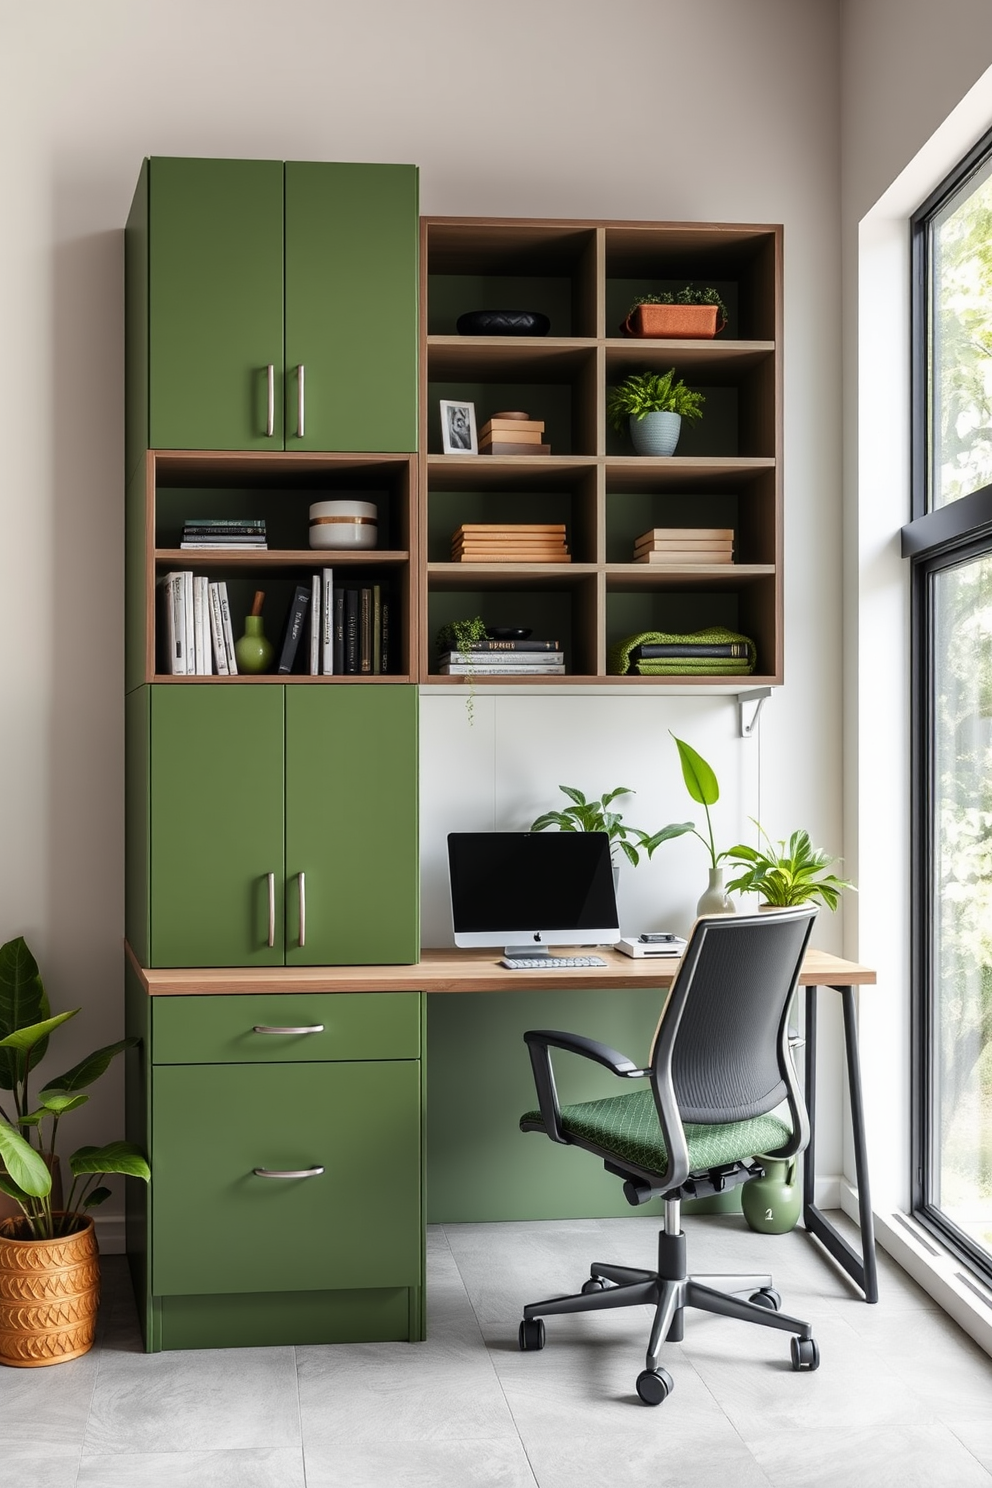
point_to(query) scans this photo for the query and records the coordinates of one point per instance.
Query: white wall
(646, 109)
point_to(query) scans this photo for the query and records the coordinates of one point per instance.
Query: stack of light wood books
(685, 547)
(510, 542)
(513, 434)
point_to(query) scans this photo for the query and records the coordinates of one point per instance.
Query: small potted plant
(462, 636)
(652, 406)
(703, 787)
(48, 1256)
(786, 874)
(596, 816)
(686, 314)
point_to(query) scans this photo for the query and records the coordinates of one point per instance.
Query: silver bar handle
(272, 908)
(301, 400)
(287, 1172)
(270, 421)
(303, 1028)
(303, 908)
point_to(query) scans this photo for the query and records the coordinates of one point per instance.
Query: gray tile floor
(902, 1396)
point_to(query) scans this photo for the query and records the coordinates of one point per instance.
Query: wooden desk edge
(450, 970)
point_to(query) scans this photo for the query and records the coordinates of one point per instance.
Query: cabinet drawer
(219, 1227)
(221, 1030)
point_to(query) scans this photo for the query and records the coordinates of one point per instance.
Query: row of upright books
(495, 658)
(348, 627)
(510, 542)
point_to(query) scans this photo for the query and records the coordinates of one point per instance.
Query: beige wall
(644, 108)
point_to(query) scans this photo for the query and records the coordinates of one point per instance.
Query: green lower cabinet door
(219, 1226)
(351, 307)
(216, 826)
(351, 825)
(215, 304)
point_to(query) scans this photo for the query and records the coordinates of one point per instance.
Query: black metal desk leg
(861, 1268)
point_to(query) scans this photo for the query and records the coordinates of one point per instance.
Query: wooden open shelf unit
(727, 471)
(169, 487)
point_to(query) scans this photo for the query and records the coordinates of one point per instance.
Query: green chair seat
(627, 1127)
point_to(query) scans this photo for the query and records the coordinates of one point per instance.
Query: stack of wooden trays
(513, 434)
(510, 542)
(685, 547)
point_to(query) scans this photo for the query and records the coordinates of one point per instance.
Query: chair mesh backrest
(722, 1026)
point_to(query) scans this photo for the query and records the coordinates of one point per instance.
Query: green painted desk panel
(220, 1030)
(218, 1228)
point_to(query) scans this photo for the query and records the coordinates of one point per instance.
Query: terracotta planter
(673, 322)
(49, 1291)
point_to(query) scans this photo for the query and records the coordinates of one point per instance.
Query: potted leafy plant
(48, 1256)
(461, 636)
(703, 787)
(596, 816)
(652, 406)
(786, 874)
(685, 313)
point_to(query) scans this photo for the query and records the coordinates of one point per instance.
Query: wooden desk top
(451, 970)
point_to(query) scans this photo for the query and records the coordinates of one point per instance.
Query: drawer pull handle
(303, 908)
(272, 908)
(287, 1172)
(301, 400)
(308, 1028)
(270, 382)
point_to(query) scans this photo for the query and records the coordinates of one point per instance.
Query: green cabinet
(281, 826)
(269, 304)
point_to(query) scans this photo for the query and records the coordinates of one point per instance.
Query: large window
(949, 542)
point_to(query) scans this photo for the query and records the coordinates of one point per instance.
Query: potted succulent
(652, 406)
(689, 313)
(48, 1256)
(596, 816)
(786, 874)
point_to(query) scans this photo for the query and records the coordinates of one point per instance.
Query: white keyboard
(549, 963)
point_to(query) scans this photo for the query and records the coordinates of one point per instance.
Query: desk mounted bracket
(748, 727)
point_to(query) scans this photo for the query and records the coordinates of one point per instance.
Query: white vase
(714, 900)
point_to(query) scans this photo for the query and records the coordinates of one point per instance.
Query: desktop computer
(524, 892)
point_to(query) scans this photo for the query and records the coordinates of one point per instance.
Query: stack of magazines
(505, 659)
(224, 532)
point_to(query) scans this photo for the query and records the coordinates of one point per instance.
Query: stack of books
(684, 547)
(505, 659)
(516, 542)
(224, 532)
(513, 436)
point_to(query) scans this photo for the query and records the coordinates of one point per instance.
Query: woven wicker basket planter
(49, 1292)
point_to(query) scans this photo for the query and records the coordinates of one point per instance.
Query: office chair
(720, 1066)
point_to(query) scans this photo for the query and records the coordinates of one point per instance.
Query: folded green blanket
(620, 663)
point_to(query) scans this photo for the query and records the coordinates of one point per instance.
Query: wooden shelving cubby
(727, 471)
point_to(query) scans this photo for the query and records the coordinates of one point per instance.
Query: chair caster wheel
(767, 1297)
(805, 1354)
(531, 1335)
(654, 1386)
(594, 1284)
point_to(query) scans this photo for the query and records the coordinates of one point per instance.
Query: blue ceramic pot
(656, 433)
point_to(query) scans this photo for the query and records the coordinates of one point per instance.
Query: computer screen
(532, 889)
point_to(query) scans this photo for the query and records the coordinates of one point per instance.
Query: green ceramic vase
(252, 651)
(772, 1203)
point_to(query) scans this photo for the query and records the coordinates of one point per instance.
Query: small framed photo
(458, 436)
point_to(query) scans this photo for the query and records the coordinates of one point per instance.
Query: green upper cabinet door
(216, 826)
(351, 307)
(351, 825)
(215, 304)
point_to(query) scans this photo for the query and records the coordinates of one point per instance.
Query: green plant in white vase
(702, 785)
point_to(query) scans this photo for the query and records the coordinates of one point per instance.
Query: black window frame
(935, 540)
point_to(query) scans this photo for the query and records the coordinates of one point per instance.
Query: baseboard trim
(110, 1234)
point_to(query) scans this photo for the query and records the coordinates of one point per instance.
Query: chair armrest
(540, 1042)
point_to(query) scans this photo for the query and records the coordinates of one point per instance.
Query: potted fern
(652, 405)
(48, 1255)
